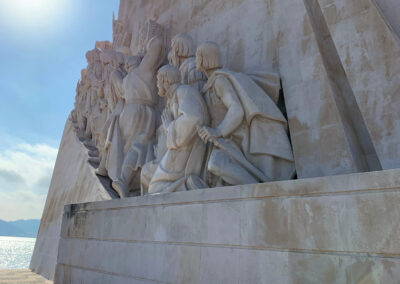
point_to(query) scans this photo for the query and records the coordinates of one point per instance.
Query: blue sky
(42, 50)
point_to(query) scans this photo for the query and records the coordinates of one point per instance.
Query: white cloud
(25, 174)
(21, 205)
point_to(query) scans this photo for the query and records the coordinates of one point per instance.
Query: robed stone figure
(248, 132)
(186, 112)
(182, 56)
(137, 121)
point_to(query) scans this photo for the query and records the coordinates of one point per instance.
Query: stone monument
(266, 151)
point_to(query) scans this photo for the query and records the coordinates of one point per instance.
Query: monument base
(338, 229)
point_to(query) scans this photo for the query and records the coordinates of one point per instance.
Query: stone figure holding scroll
(137, 122)
(181, 165)
(248, 132)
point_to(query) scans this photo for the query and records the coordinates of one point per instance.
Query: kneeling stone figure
(181, 166)
(249, 141)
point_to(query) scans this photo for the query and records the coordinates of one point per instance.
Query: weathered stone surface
(341, 118)
(340, 229)
(390, 10)
(73, 181)
(370, 55)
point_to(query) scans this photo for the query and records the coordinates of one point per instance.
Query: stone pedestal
(341, 229)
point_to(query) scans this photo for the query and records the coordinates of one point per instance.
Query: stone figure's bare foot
(101, 172)
(119, 187)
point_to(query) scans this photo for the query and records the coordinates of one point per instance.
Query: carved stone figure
(248, 132)
(181, 165)
(106, 59)
(98, 119)
(117, 76)
(137, 121)
(80, 120)
(95, 77)
(111, 151)
(183, 57)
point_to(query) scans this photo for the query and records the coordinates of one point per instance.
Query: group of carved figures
(216, 127)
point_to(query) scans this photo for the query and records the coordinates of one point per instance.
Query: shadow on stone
(105, 181)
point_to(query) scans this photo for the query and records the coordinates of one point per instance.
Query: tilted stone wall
(73, 181)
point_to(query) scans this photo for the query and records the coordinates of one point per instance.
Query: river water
(15, 252)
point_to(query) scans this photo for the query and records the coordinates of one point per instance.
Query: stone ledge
(388, 180)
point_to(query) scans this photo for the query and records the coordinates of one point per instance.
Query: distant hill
(19, 228)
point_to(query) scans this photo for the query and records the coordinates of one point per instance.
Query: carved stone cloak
(264, 124)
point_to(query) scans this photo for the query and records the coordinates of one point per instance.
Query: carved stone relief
(217, 128)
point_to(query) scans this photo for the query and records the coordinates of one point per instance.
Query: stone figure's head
(96, 55)
(182, 46)
(83, 75)
(118, 60)
(167, 76)
(93, 56)
(208, 56)
(106, 56)
(133, 62)
(89, 57)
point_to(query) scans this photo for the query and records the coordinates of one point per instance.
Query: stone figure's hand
(208, 134)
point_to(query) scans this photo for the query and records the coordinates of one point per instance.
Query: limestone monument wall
(341, 229)
(73, 181)
(390, 9)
